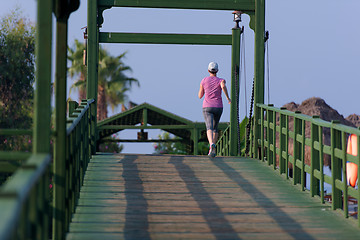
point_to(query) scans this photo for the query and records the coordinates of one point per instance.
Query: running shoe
(212, 151)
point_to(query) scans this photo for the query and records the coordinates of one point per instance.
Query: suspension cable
(267, 65)
(248, 126)
(243, 66)
(237, 87)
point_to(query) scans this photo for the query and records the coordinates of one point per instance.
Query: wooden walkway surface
(192, 197)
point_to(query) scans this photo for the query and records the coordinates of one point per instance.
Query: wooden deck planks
(192, 197)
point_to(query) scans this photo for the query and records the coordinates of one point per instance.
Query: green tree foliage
(170, 147)
(177, 147)
(111, 147)
(243, 131)
(17, 75)
(113, 83)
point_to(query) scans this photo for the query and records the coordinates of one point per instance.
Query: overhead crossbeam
(159, 38)
(244, 5)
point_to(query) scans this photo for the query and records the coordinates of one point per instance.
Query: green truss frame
(147, 116)
(254, 8)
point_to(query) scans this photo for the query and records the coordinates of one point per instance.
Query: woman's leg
(209, 122)
(217, 115)
(215, 136)
(210, 135)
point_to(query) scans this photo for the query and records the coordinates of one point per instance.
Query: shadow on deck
(193, 197)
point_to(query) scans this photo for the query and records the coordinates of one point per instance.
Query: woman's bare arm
(223, 87)
(201, 91)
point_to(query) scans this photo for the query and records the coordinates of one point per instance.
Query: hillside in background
(317, 106)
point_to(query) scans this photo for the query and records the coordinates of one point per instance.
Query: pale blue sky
(314, 51)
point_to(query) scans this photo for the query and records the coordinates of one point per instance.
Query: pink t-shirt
(212, 91)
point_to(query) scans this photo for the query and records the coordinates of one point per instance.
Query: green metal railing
(294, 151)
(78, 152)
(79, 139)
(223, 144)
(25, 196)
(24, 201)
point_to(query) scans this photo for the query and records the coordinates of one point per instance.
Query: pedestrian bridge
(278, 189)
(197, 197)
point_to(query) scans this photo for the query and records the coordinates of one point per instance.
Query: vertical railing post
(282, 141)
(315, 160)
(92, 66)
(297, 149)
(235, 63)
(321, 159)
(287, 147)
(72, 106)
(196, 139)
(335, 166)
(270, 138)
(267, 137)
(274, 138)
(262, 126)
(259, 69)
(303, 174)
(344, 174)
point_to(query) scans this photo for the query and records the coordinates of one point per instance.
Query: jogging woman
(211, 87)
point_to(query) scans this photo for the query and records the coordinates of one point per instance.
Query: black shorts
(212, 117)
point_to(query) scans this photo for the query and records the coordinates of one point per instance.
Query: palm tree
(78, 67)
(113, 84)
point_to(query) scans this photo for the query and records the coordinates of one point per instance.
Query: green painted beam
(135, 140)
(221, 126)
(244, 5)
(16, 132)
(159, 38)
(120, 127)
(6, 155)
(42, 105)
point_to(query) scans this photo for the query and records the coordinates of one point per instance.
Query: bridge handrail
(276, 132)
(79, 135)
(24, 197)
(24, 200)
(223, 144)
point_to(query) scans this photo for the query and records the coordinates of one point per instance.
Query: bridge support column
(61, 216)
(92, 65)
(259, 72)
(235, 63)
(42, 105)
(42, 115)
(59, 220)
